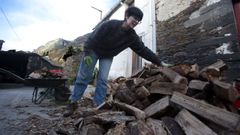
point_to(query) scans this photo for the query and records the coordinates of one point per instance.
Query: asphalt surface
(16, 106)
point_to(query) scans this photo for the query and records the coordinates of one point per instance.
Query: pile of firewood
(159, 101)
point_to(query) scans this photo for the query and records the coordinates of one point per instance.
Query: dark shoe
(71, 108)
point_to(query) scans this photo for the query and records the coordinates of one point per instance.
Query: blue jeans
(84, 76)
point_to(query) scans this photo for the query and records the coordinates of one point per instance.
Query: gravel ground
(19, 116)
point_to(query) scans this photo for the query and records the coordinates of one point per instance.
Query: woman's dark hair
(135, 12)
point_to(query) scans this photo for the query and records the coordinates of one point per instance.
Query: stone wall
(198, 31)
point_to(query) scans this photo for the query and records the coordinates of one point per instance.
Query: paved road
(16, 106)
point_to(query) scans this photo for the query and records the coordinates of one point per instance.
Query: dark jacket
(109, 39)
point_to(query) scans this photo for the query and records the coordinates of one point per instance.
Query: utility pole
(98, 11)
(1, 43)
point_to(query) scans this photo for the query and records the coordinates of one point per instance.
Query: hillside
(56, 49)
(66, 54)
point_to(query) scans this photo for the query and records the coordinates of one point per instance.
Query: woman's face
(132, 21)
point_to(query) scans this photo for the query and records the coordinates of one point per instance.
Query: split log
(142, 92)
(187, 70)
(139, 114)
(89, 111)
(167, 88)
(142, 73)
(213, 71)
(105, 105)
(182, 69)
(112, 87)
(78, 123)
(174, 76)
(138, 104)
(125, 95)
(210, 112)
(139, 128)
(110, 117)
(113, 117)
(120, 79)
(151, 79)
(232, 108)
(154, 71)
(194, 72)
(134, 82)
(157, 107)
(53, 132)
(191, 125)
(91, 129)
(156, 126)
(119, 129)
(198, 85)
(225, 91)
(59, 131)
(201, 95)
(219, 129)
(121, 86)
(146, 102)
(219, 103)
(172, 126)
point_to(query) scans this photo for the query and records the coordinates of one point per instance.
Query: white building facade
(127, 62)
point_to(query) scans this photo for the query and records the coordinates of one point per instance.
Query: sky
(27, 24)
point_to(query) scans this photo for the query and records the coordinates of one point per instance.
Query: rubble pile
(161, 101)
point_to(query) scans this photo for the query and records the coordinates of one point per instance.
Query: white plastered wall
(147, 29)
(122, 63)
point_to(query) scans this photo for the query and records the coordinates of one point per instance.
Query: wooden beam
(113, 117)
(182, 69)
(119, 129)
(167, 88)
(174, 76)
(213, 71)
(138, 104)
(225, 90)
(91, 129)
(139, 128)
(210, 112)
(172, 126)
(157, 107)
(191, 125)
(151, 79)
(139, 114)
(156, 126)
(198, 85)
(133, 82)
(142, 92)
(194, 72)
(125, 95)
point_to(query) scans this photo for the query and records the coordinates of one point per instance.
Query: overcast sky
(27, 24)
